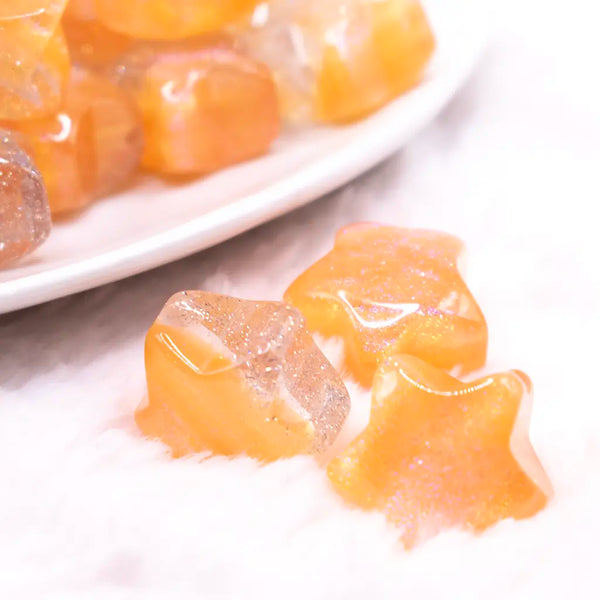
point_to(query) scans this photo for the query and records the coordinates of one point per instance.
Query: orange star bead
(440, 453)
(384, 289)
(205, 105)
(90, 148)
(169, 19)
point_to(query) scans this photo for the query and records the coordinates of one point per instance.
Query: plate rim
(308, 184)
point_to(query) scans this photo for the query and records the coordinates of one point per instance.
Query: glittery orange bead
(32, 91)
(384, 289)
(88, 149)
(80, 10)
(204, 107)
(26, 27)
(233, 376)
(440, 453)
(169, 19)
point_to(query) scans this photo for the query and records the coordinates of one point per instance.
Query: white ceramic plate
(155, 223)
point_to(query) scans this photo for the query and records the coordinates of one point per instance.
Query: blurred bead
(205, 105)
(26, 27)
(90, 148)
(91, 44)
(234, 376)
(35, 92)
(439, 453)
(170, 19)
(24, 213)
(338, 60)
(80, 10)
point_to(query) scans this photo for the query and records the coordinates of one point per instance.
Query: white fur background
(89, 509)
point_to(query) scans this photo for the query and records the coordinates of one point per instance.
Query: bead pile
(233, 376)
(94, 90)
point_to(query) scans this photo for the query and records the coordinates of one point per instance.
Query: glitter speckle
(384, 289)
(429, 465)
(336, 60)
(239, 377)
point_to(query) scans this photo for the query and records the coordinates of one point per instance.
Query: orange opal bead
(234, 376)
(205, 106)
(31, 91)
(80, 10)
(88, 149)
(439, 453)
(384, 289)
(170, 19)
(336, 61)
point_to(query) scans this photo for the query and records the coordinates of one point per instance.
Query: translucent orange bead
(80, 10)
(91, 44)
(233, 376)
(169, 19)
(34, 91)
(204, 107)
(384, 289)
(26, 27)
(389, 62)
(440, 453)
(88, 149)
(339, 60)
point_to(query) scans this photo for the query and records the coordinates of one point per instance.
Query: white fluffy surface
(89, 509)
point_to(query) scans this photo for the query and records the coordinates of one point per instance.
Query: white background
(88, 509)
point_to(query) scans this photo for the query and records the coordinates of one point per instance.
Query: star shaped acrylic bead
(384, 289)
(234, 376)
(439, 453)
